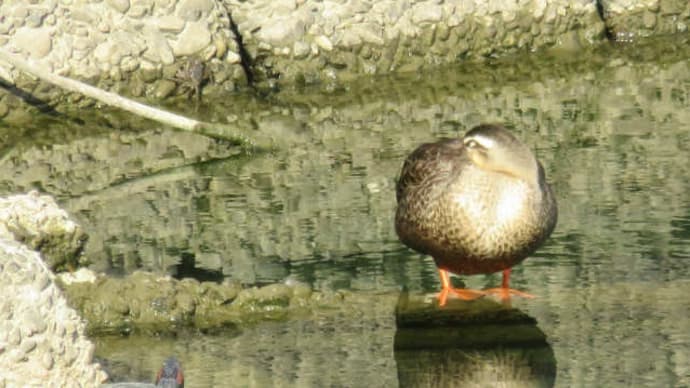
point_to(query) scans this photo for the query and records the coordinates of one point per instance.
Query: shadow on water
(480, 343)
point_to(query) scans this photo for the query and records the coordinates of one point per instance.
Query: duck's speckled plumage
(474, 212)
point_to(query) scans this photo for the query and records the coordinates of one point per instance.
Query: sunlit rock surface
(137, 48)
(36, 221)
(628, 20)
(346, 38)
(42, 339)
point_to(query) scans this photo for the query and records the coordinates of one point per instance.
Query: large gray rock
(42, 340)
(37, 221)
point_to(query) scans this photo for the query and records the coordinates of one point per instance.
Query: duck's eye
(471, 143)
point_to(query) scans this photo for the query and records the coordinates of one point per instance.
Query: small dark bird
(170, 375)
(192, 77)
(477, 205)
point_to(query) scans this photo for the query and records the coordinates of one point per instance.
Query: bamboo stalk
(219, 131)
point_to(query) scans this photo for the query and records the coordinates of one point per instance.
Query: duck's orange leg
(505, 292)
(446, 287)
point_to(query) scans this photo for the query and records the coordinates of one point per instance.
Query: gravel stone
(426, 13)
(300, 49)
(15, 337)
(138, 11)
(194, 10)
(169, 23)
(32, 322)
(164, 89)
(47, 361)
(192, 39)
(649, 19)
(120, 6)
(158, 48)
(27, 346)
(324, 43)
(36, 41)
(233, 57)
(282, 32)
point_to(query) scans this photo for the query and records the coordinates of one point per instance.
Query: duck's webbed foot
(447, 288)
(505, 292)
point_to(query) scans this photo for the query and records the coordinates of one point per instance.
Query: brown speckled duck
(477, 205)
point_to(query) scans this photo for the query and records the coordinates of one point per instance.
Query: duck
(170, 375)
(479, 204)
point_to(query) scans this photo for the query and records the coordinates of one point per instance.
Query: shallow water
(613, 132)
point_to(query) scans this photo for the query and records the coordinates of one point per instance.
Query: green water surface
(611, 126)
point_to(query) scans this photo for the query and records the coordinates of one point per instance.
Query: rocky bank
(42, 339)
(141, 48)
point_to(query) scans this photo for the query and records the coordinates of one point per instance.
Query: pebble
(194, 10)
(27, 346)
(105, 51)
(36, 41)
(35, 18)
(300, 49)
(282, 31)
(649, 19)
(138, 11)
(426, 13)
(169, 23)
(47, 361)
(159, 49)
(15, 337)
(323, 42)
(233, 57)
(164, 89)
(31, 322)
(120, 6)
(192, 39)
(84, 15)
(368, 33)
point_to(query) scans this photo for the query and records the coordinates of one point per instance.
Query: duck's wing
(428, 164)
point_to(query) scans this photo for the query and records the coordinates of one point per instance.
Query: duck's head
(494, 148)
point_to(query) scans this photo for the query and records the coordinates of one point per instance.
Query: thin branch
(180, 122)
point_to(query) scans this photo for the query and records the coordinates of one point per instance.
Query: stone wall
(627, 20)
(323, 40)
(141, 48)
(109, 41)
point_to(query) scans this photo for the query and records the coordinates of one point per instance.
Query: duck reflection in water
(477, 205)
(480, 343)
(170, 375)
